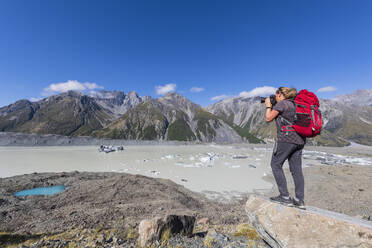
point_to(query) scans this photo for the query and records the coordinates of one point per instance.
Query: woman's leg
(282, 152)
(295, 166)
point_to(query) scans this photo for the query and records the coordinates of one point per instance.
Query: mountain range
(116, 115)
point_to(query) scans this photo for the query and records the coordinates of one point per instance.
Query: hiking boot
(280, 199)
(299, 203)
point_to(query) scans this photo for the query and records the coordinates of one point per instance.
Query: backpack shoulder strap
(282, 119)
(286, 124)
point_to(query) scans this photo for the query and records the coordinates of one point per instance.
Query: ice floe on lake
(186, 165)
(196, 160)
(227, 159)
(154, 172)
(263, 149)
(335, 159)
(235, 166)
(170, 156)
(239, 156)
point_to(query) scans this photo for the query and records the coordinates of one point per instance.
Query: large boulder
(160, 229)
(282, 226)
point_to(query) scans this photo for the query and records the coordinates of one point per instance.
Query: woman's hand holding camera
(268, 103)
(270, 114)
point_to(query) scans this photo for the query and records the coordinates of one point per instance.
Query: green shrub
(180, 130)
(247, 231)
(149, 133)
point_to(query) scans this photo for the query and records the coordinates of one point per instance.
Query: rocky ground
(104, 209)
(343, 188)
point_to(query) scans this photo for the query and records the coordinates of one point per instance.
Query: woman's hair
(288, 93)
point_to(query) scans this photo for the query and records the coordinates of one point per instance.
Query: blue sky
(221, 48)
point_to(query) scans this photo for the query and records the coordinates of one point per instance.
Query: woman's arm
(270, 113)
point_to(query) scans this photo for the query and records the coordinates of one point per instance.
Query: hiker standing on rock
(288, 145)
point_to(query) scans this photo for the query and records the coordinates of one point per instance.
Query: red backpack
(308, 119)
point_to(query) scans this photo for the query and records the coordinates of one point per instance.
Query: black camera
(272, 99)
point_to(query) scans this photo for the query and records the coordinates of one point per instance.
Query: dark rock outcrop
(163, 228)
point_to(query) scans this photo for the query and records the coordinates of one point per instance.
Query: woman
(288, 145)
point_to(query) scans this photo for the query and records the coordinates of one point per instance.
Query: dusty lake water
(217, 168)
(229, 170)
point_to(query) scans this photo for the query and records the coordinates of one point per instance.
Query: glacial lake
(221, 169)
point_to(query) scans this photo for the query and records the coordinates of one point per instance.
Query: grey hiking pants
(293, 153)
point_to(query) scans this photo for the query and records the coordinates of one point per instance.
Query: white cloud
(92, 86)
(164, 89)
(327, 89)
(196, 89)
(220, 97)
(101, 94)
(35, 99)
(74, 85)
(259, 91)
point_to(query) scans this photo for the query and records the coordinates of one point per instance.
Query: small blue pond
(41, 191)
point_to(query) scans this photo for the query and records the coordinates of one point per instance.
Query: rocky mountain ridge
(69, 113)
(342, 122)
(116, 115)
(359, 97)
(117, 102)
(172, 117)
